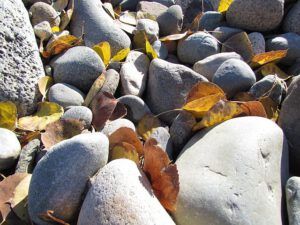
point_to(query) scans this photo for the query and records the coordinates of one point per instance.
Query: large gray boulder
(21, 66)
(293, 200)
(122, 194)
(168, 85)
(98, 26)
(59, 180)
(233, 174)
(291, 21)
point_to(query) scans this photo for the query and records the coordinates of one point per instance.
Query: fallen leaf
(272, 68)
(48, 216)
(124, 150)
(96, 87)
(107, 6)
(121, 55)
(128, 18)
(139, 40)
(194, 27)
(8, 115)
(60, 5)
(103, 50)
(244, 97)
(125, 134)
(26, 137)
(224, 5)
(254, 108)
(220, 112)
(203, 89)
(145, 15)
(162, 174)
(66, 16)
(268, 57)
(102, 107)
(60, 130)
(44, 84)
(55, 29)
(119, 112)
(174, 37)
(151, 53)
(118, 11)
(47, 112)
(147, 125)
(126, 27)
(271, 108)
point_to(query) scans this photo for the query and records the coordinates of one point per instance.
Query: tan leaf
(124, 150)
(128, 18)
(44, 84)
(96, 87)
(174, 37)
(271, 108)
(8, 115)
(268, 57)
(244, 97)
(272, 68)
(66, 15)
(147, 125)
(126, 27)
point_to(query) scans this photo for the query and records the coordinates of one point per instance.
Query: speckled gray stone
(211, 20)
(293, 200)
(170, 22)
(291, 21)
(60, 177)
(255, 15)
(79, 66)
(114, 125)
(41, 11)
(152, 8)
(223, 33)
(21, 66)
(258, 42)
(112, 79)
(81, 113)
(150, 27)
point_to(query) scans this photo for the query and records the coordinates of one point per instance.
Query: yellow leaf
(44, 84)
(96, 87)
(268, 57)
(48, 112)
(203, 89)
(103, 50)
(147, 125)
(222, 111)
(121, 55)
(149, 49)
(272, 68)
(55, 29)
(124, 150)
(8, 115)
(224, 5)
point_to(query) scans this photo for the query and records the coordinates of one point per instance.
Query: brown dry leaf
(174, 37)
(220, 112)
(147, 125)
(26, 137)
(162, 174)
(125, 134)
(60, 130)
(66, 15)
(271, 108)
(194, 27)
(124, 150)
(203, 89)
(118, 11)
(8, 115)
(96, 87)
(254, 108)
(102, 106)
(224, 5)
(272, 68)
(119, 112)
(48, 216)
(44, 84)
(268, 57)
(244, 97)
(103, 50)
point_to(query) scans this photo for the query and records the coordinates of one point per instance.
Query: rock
(208, 66)
(294, 70)
(293, 200)
(59, 179)
(197, 47)
(129, 4)
(79, 66)
(114, 125)
(168, 85)
(111, 83)
(136, 107)
(287, 41)
(167, 3)
(234, 76)
(255, 15)
(43, 30)
(27, 157)
(151, 8)
(232, 175)
(170, 22)
(41, 11)
(98, 26)
(258, 42)
(65, 95)
(134, 73)
(210, 20)
(162, 136)
(150, 27)
(21, 66)
(122, 194)
(31, 2)
(289, 121)
(215, 4)
(223, 33)
(10, 148)
(81, 113)
(291, 22)
(161, 49)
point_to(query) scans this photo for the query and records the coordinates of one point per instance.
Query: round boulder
(291, 22)
(81, 113)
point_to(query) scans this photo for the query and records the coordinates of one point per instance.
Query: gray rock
(170, 22)
(79, 66)
(215, 4)
(161, 49)
(168, 85)
(211, 20)
(41, 11)
(151, 8)
(232, 175)
(294, 70)
(234, 76)
(43, 30)
(167, 3)
(255, 15)
(293, 200)
(81, 113)
(134, 73)
(112, 79)
(162, 136)
(258, 42)
(289, 121)
(65, 95)
(291, 22)
(21, 66)
(197, 47)
(114, 125)
(223, 33)
(59, 179)
(287, 41)
(98, 26)
(150, 27)
(27, 157)
(122, 194)
(136, 107)
(10, 148)
(208, 66)
(129, 4)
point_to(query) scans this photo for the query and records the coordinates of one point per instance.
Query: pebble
(58, 181)
(114, 125)
(31, 2)
(150, 27)
(112, 79)
(168, 85)
(122, 194)
(161, 49)
(171, 21)
(258, 42)
(293, 200)
(294, 70)
(232, 175)
(234, 76)
(163, 138)
(79, 66)
(255, 15)
(197, 47)
(43, 30)
(41, 11)
(81, 113)
(208, 66)
(10, 148)
(151, 8)
(291, 21)
(211, 20)
(65, 95)
(223, 33)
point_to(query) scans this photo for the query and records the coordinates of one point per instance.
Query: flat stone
(114, 125)
(81, 113)
(293, 200)
(291, 21)
(152, 8)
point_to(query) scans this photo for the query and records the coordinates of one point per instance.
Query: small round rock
(114, 125)
(210, 20)
(81, 113)
(170, 22)
(41, 11)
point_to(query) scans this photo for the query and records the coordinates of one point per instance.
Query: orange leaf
(119, 112)
(146, 126)
(267, 57)
(254, 108)
(244, 97)
(271, 107)
(203, 89)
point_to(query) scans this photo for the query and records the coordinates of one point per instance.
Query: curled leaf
(268, 57)
(254, 108)
(124, 150)
(149, 49)
(44, 84)
(66, 15)
(224, 5)
(194, 27)
(103, 50)
(174, 37)
(128, 18)
(8, 115)
(272, 68)
(121, 55)
(96, 87)
(203, 89)
(147, 125)
(48, 216)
